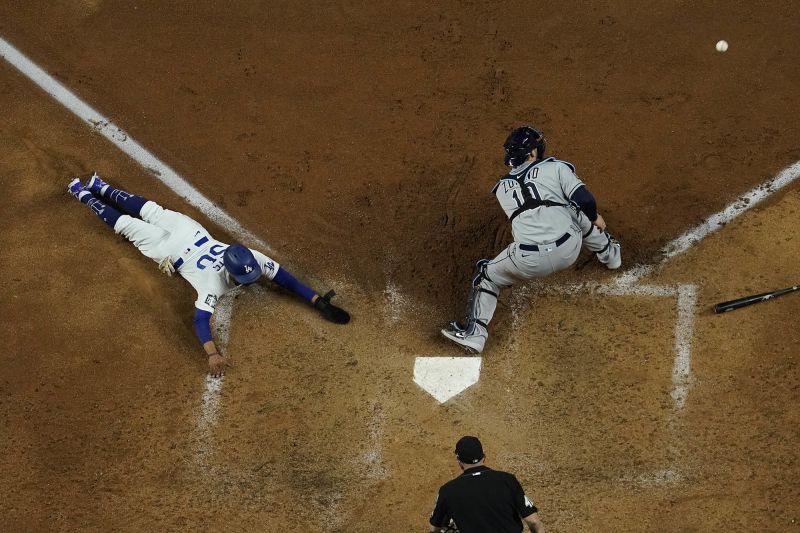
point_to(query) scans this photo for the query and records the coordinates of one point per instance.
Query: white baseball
(722, 46)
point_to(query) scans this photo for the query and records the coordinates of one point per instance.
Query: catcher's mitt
(330, 312)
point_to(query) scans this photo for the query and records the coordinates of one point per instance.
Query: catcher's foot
(471, 343)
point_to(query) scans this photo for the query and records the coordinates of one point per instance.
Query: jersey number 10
(533, 192)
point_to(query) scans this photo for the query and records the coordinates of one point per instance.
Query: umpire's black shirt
(482, 500)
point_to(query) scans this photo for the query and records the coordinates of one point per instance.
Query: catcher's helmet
(241, 264)
(521, 142)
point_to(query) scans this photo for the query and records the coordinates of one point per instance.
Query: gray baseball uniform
(548, 228)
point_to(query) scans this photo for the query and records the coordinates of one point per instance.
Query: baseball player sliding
(551, 213)
(180, 244)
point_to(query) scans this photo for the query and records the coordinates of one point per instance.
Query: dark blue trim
(130, 203)
(202, 241)
(107, 214)
(585, 201)
(178, 264)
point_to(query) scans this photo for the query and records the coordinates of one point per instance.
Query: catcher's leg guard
(482, 299)
(480, 308)
(610, 254)
(605, 247)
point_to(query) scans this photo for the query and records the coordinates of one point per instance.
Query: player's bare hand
(600, 223)
(217, 364)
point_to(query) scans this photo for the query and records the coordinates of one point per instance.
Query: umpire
(482, 500)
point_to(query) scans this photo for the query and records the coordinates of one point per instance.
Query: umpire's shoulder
(507, 478)
(449, 485)
(503, 474)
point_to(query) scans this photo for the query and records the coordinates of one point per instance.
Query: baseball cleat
(455, 326)
(75, 188)
(95, 183)
(471, 343)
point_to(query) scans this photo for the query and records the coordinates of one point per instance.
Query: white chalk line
(685, 295)
(716, 221)
(684, 332)
(128, 145)
(209, 403)
(373, 458)
(167, 176)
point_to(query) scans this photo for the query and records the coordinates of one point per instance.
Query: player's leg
(128, 202)
(141, 207)
(149, 239)
(602, 243)
(487, 280)
(516, 264)
(105, 212)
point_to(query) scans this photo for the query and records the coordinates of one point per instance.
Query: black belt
(535, 248)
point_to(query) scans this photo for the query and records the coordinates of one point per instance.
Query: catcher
(551, 213)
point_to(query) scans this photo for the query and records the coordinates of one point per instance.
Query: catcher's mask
(241, 264)
(520, 143)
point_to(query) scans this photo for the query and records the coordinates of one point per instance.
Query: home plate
(445, 377)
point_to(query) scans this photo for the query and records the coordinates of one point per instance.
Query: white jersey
(546, 180)
(201, 265)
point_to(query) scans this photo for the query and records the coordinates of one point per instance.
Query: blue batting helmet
(241, 264)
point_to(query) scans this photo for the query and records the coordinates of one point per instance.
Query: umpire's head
(469, 451)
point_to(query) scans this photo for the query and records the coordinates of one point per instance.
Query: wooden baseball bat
(750, 300)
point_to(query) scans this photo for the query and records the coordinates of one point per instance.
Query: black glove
(330, 312)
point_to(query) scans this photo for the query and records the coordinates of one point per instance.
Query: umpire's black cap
(469, 450)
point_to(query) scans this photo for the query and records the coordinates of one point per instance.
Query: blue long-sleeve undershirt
(586, 202)
(202, 325)
(289, 282)
(202, 319)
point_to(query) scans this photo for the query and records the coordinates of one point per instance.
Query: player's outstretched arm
(329, 311)
(202, 328)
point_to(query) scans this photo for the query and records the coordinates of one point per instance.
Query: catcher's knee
(479, 273)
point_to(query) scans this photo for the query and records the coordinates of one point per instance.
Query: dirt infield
(361, 143)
